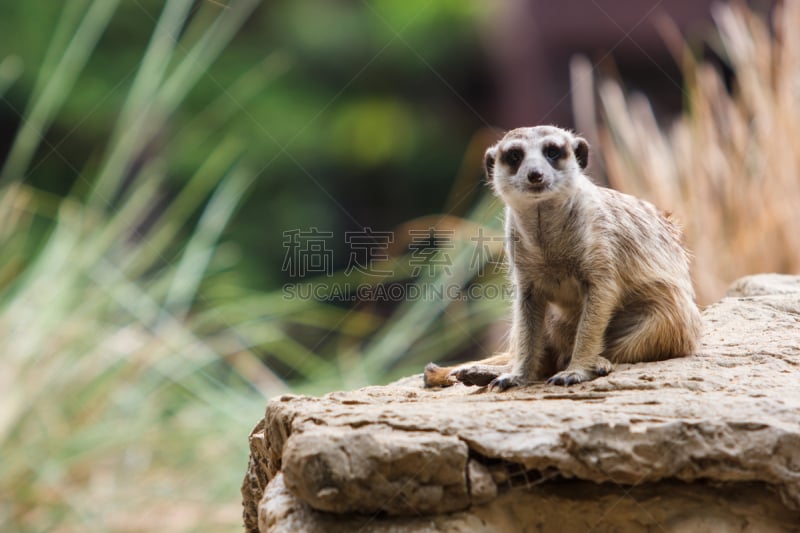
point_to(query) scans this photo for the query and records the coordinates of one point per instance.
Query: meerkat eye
(513, 157)
(553, 152)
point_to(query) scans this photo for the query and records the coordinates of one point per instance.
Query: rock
(574, 506)
(765, 285)
(341, 472)
(708, 442)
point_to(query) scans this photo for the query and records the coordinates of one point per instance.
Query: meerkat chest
(549, 257)
(556, 281)
(565, 291)
(554, 274)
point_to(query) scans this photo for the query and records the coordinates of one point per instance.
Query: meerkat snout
(534, 176)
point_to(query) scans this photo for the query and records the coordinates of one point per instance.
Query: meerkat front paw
(572, 375)
(506, 381)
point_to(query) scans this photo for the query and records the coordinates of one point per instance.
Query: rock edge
(730, 414)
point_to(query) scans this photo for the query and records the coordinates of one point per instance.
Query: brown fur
(600, 277)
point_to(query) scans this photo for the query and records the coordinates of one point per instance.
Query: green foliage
(142, 333)
(309, 86)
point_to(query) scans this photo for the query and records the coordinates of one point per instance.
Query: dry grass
(729, 167)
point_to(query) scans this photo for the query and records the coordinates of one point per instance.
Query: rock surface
(708, 441)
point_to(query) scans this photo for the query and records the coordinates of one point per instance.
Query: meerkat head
(534, 163)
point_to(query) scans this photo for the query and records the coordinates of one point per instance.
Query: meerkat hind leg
(639, 331)
(477, 373)
(482, 372)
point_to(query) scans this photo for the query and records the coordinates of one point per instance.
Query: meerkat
(600, 277)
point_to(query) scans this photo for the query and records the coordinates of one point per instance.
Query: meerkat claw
(571, 377)
(504, 382)
(566, 379)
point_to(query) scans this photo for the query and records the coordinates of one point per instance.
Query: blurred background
(208, 203)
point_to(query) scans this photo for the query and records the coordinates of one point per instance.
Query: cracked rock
(374, 469)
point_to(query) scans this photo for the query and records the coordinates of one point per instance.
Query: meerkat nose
(534, 176)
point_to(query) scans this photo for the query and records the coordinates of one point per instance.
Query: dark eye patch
(513, 157)
(553, 152)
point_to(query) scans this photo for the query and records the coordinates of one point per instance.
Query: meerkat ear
(488, 162)
(581, 150)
